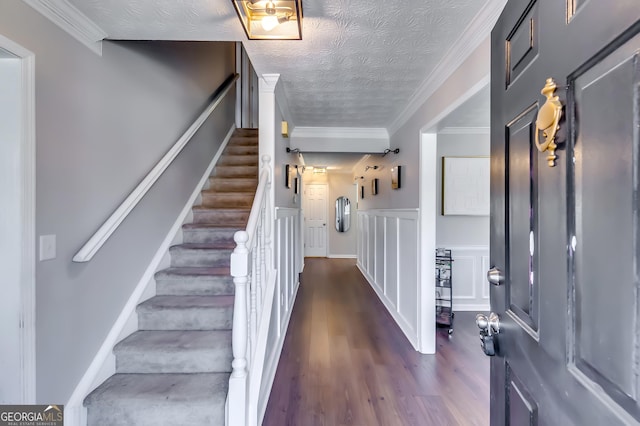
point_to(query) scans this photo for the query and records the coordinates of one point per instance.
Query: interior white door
(10, 229)
(315, 205)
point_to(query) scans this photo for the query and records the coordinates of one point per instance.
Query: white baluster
(238, 380)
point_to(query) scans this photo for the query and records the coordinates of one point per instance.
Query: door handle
(495, 276)
(489, 326)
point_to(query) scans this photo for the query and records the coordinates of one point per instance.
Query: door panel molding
(603, 359)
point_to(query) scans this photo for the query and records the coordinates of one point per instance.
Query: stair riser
(214, 286)
(186, 319)
(217, 360)
(181, 257)
(208, 235)
(233, 185)
(222, 218)
(127, 413)
(242, 150)
(243, 141)
(239, 160)
(229, 200)
(236, 171)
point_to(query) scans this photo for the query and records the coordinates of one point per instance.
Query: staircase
(175, 369)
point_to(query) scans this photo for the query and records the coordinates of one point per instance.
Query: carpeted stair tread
(216, 245)
(185, 302)
(201, 255)
(223, 210)
(189, 312)
(243, 192)
(181, 273)
(159, 399)
(175, 351)
(216, 226)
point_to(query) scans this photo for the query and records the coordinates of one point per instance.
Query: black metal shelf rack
(444, 289)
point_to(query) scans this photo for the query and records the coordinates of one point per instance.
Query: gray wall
(460, 230)
(102, 123)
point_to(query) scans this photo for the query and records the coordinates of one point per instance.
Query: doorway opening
(460, 131)
(17, 224)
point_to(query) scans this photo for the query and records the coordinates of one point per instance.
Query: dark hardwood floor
(346, 362)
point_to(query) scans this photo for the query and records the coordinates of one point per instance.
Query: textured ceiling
(357, 66)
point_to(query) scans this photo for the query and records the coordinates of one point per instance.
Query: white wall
(101, 125)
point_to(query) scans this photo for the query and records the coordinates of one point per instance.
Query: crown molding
(70, 19)
(342, 132)
(464, 131)
(475, 33)
(340, 139)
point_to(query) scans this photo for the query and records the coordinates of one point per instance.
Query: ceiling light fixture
(270, 20)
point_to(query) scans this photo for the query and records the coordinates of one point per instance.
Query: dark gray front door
(566, 238)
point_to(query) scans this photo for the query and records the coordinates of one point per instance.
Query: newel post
(240, 265)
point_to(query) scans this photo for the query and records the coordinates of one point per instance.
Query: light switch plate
(47, 247)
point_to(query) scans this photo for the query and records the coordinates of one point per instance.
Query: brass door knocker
(547, 122)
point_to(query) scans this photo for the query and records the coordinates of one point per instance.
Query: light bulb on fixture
(271, 21)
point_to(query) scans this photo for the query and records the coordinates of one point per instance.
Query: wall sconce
(285, 129)
(270, 20)
(395, 151)
(371, 167)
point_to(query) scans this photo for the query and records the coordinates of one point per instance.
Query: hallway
(345, 361)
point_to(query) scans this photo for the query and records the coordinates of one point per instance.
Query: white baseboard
(475, 307)
(342, 256)
(103, 364)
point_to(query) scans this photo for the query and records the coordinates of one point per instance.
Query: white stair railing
(254, 280)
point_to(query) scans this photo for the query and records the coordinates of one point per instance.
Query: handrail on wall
(103, 233)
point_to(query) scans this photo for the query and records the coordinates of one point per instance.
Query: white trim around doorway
(27, 223)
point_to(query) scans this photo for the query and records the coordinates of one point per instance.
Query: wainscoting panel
(388, 258)
(379, 269)
(470, 286)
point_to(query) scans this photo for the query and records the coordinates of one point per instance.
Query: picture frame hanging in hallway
(362, 192)
(287, 176)
(396, 177)
(374, 186)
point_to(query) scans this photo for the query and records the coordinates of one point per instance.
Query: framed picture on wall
(374, 186)
(362, 192)
(396, 177)
(287, 176)
(296, 185)
(465, 186)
